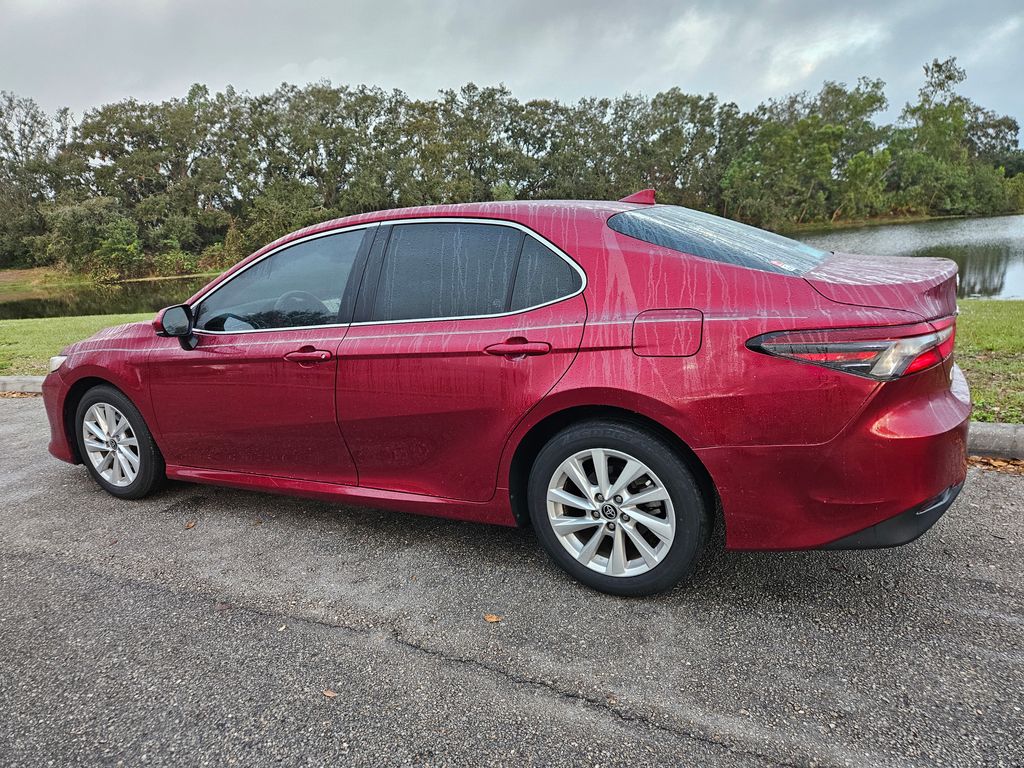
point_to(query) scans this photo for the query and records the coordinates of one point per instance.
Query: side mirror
(177, 321)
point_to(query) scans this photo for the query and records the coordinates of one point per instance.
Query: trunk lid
(925, 286)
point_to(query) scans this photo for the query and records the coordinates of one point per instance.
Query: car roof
(528, 212)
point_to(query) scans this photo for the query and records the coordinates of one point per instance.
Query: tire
(678, 518)
(112, 406)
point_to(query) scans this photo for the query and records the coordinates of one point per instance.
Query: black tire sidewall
(151, 465)
(687, 501)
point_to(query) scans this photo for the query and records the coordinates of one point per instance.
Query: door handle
(308, 356)
(518, 348)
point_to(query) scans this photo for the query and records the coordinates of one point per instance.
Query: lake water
(989, 252)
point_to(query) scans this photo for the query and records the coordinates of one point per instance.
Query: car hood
(103, 337)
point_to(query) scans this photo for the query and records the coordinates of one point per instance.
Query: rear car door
(257, 394)
(462, 327)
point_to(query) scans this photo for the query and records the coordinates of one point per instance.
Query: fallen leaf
(329, 693)
(491, 618)
(190, 525)
(1008, 466)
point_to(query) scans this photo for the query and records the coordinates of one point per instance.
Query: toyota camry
(621, 376)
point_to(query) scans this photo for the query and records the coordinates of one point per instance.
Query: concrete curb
(1004, 441)
(21, 383)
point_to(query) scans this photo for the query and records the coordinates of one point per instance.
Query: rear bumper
(903, 528)
(904, 453)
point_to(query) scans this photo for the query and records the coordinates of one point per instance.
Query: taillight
(879, 353)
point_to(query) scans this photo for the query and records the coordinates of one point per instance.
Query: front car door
(462, 327)
(257, 394)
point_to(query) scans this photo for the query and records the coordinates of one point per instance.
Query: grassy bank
(817, 227)
(26, 345)
(814, 227)
(18, 283)
(989, 347)
(44, 281)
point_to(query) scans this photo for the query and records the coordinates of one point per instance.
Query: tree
(198, 181)
(785, 174)
(860, 192)
(30, 143)
(945, 149)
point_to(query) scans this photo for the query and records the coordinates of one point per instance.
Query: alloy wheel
(611, 512)
(111, 444)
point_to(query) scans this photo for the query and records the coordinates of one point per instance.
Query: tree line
(195, 183)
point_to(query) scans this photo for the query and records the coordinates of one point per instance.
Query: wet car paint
(424, 420)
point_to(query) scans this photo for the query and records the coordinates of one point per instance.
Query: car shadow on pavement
(486, 555)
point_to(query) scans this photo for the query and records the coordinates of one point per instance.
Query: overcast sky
(81, 53)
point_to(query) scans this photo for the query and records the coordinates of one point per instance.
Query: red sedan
(617, 374)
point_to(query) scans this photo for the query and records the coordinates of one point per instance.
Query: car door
(257, 394)
(463, 326)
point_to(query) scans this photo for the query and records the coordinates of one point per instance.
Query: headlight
(56, 362)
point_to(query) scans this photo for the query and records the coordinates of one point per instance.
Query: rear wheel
(115, 444)
(617, 508)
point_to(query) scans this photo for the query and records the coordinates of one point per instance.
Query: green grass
(26, 345)
(989, 348)
(19, 283)
(816, 227)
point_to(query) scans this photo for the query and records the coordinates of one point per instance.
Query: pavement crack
(594, 703)
(220, 603)
(602, 705)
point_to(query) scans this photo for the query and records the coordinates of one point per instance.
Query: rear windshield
(718, 239)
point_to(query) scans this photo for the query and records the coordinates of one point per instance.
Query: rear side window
(543, 276)
(435, 270)
(712, 237)
(299, 286)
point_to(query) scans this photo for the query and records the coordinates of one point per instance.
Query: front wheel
(617, 508)
(115, 444)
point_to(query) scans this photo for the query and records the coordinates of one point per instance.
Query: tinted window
(718, 239)
(446, 270)
(299, 286)
(542, 276)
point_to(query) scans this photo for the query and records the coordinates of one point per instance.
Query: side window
(442, 269)
(299, 286)
(543, 276)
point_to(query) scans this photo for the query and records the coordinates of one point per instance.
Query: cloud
(93, 51)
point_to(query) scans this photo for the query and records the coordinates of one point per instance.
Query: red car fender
(562, 400)
(128, 379)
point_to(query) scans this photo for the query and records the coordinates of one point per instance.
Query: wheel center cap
(609, 511)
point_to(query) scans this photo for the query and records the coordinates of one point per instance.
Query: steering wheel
(300, 302)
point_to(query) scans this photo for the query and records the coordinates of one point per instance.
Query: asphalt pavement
(205, 626)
